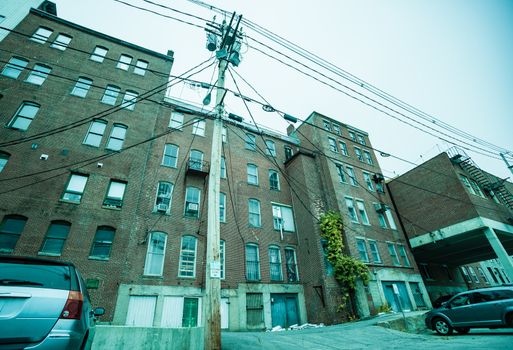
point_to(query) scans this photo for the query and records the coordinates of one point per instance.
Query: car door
(459, 310)
(486, 309)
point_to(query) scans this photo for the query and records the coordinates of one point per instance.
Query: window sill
(98, 258)
(6, 250)
(150, 277)
(187, 277)
(110, 208)
(168, 166)
(255, 227)
(256, 185)
(68, 201)
(48, 254)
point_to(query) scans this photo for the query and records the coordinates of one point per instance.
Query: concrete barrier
(147, 338)
(410, 324)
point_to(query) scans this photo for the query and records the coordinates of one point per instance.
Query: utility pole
(510, 167)
(211, 305)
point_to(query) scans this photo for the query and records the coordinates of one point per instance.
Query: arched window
(55, 238)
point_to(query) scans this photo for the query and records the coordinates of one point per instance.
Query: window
(222, 207)
(340, 173)
(14, 68)
(75, 188)
(363, 213)
(464, 270)
(95, 133)
(393, 254)
(252, 170)
(250, 142)
(476, 188)
(270, 148)
(352, 135)
(375, 252)
(154, 263)
(368, 157)
(102, 243)
(403, 255)
(483, 275)
(343, 148)
(99, 54)
(381, 216)
(170, 157)
(187, 265)
(291, 265)
(115, 194)
(361, 139)
(252, 263)
(326, 125)
(10, 231)
(129, 100)
(390, 218)
(493, 275)
(368, 181)
(117, 137)
(473, 274)
(223, 168)
(140, 67)
(351, 210)
(379, 187)
(466, 183)
(190, 312)
(4, 158)
(163, 199)
(333, 145)
(254, 213)
(198, 128)
(283, 218)
(41, 35)
(192, 201)
(358, 153)
(254, 311)
(222, 257)
(196, 160)
(38, 74)
(448, 272)
(24, 116)
(362, 250)
(176, 120)
(425, 271)
(82, 87)
(274, 180)
(352, 176)
(275, 264)
(224, 134)
(61, 42)
(124, 62)
(288, 152)
(55, 238)
(336, 129)
(111, 94)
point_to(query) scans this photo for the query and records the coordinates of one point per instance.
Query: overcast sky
(452, 59)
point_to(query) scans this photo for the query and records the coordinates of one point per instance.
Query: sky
(451, 59)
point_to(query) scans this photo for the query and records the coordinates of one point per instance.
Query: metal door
(284, 311)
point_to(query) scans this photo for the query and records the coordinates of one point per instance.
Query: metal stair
(489, 183)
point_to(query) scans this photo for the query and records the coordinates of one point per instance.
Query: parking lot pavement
(365, 335)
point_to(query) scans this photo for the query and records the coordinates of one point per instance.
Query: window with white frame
(155, 255)
(187, 264)
(102, 243)
(341, 174)
(363, 213)
(361, 139)
(124, 62)
(252, 262)
(381, 217)
(464, 270)
(110, 95)
(254, 213)
(352, 176)
(275, 264)
(14, 67)
(222, 207)
(24, 116)
(291, 265)
(376, 257)
(283, 218)
(129, 100)
(252, 171)
(99, 54)
(343, 148)
(352, 135)
(95, 133)
(140, 67)
(250, 142)
(358, 153)
(10, 231)
(163, 198)
(170, 157)
(288, 152)
(390, 218)
(483, 275)
(270, 148)
(223, 168)
(393, 254)
(362, 250)
(55, 238)
(351, 209)
(274, 180)
(115, 194)
(117, 137)
(222, 257)
(41, 35)
(176, 120)
(403, 255)
(61, 42)
(196, 160)
(82, 87)
(473, 274)
(4, 158)
(336, 129)
(332, 145)
(75, 188)
(326, 125)
(198, 128)
(368, 157)
(192, 202)
(368, 181)
(38, 74)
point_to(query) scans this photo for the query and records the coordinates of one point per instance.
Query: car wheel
(441, 326)
(462, 330)
(509, 320)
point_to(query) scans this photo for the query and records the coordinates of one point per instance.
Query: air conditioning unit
(162, 207)
(378, 177)
(380, 207)
(192, 207)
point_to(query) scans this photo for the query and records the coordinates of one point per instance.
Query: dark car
(44, 305)
(478, 308)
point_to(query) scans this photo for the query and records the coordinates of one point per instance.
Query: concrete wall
(121, 337)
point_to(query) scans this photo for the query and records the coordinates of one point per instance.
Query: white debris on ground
(296, 327)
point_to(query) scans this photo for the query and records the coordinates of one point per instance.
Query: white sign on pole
(215, 269)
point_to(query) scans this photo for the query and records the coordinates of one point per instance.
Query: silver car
(478, 308)
(44, 305)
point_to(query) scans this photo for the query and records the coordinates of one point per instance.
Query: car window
(35, 275)
(482, 297)
(503, 294)
(461, 300)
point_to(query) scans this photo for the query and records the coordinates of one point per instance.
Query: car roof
(32, 260)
